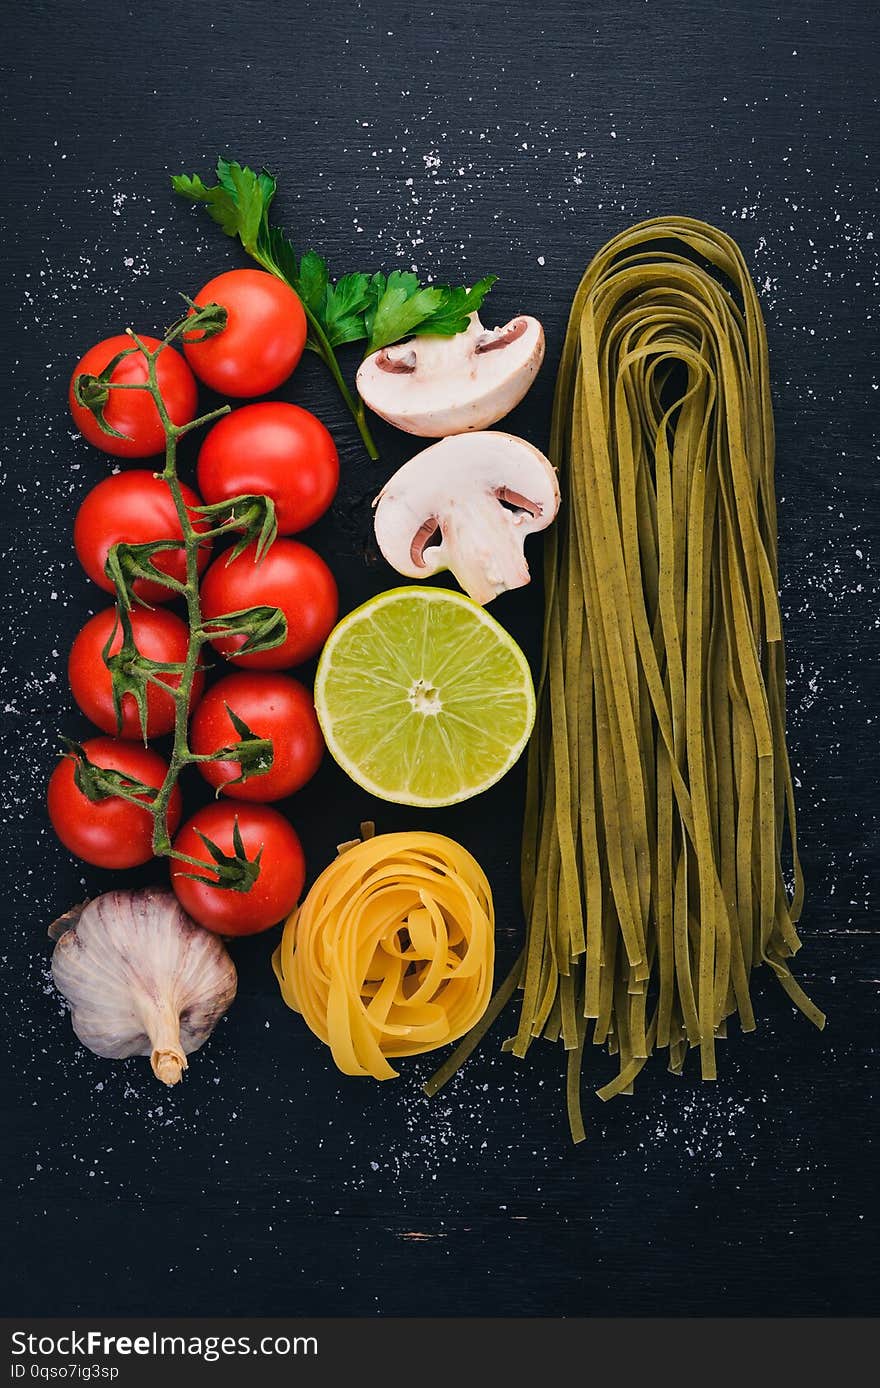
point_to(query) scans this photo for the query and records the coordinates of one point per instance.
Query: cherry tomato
(273, 706)
(158, 635)
(263, 338)
(135, 507)
(290, 576)
(282, 868)
(133, 412)
(276, 450)
(110, 833)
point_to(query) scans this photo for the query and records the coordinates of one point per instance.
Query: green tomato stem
(237, 871)
(192, 539)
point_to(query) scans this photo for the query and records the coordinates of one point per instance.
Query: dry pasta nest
(392, 951)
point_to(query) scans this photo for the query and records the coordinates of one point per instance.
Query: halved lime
(423, 698)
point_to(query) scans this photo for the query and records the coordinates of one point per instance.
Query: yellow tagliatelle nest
(392, 951)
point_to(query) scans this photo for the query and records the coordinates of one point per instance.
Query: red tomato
(135, 507)
(158, 635)
(111, 833)
(276, 450)
(263, 338)
(276, 890)
(273, 706)
(133, 412)
(290, 576)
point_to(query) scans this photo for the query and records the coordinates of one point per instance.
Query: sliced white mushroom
(467, 504)
(437, 386)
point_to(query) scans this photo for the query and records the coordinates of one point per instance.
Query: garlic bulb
(142, 979)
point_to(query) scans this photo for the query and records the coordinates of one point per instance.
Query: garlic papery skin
(142, 978)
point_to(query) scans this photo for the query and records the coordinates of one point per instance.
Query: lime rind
(368, 717)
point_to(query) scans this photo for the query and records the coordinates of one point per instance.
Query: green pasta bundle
(659, 794)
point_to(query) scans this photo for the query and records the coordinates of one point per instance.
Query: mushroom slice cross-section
(466, 504)
(437, 386)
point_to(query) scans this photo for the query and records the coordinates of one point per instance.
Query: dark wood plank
(466, 138)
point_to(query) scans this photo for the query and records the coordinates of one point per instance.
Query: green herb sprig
(375, 309)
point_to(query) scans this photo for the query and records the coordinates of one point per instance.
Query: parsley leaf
(275, 253)
(345, 304)
(311, 282)
(239, 202)
(402, 307)
(219, 201)
(378, 309)
(452, 315)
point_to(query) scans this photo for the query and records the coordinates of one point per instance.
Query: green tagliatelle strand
(659, 788)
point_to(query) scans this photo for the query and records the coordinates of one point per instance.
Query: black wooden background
(461, 139)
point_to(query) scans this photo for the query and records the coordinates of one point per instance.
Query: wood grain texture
(462, 139)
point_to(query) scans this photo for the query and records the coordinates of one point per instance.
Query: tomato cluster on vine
(265, 604)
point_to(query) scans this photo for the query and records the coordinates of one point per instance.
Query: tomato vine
(252, 519)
